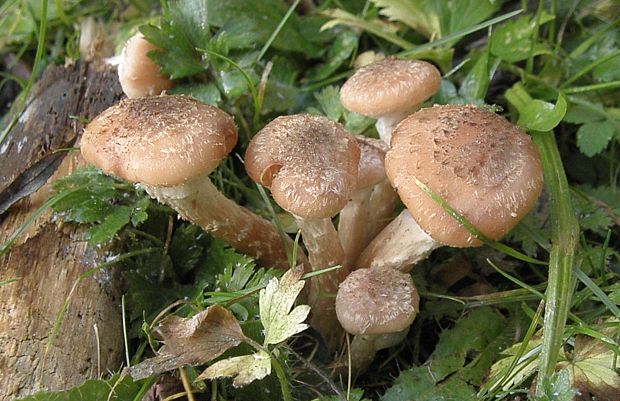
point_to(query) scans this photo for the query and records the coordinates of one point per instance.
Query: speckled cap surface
(483, 166)
(376, 301)
(309, 162)
(389, 86)
(159, 141)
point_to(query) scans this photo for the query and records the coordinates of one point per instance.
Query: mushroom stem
(364, 347)
(398, 246)
(385, 123)
(200, 202)
(324, 250)
(366, 214)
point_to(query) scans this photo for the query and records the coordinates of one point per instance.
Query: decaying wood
(48, 261)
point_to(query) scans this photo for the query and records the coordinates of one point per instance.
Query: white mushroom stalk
(389, 90)
(310, 165)
(169, 145)
(484, 167)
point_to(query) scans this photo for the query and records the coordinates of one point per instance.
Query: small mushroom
(169, 145)
(389, 90)
(483, 166)
(377, 306)
(371, 205)
(138, 74)
(310, 165)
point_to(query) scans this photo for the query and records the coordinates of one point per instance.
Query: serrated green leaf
(275, 303)
(205, 93)
(224, 12)
(339, 51)
(245, 369)
(593, 137)
(329, 101)
(476, 82)
(512, 41)
(112, 223)
(577, 114)
(113, 389)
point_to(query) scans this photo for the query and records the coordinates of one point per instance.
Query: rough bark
(48, 261)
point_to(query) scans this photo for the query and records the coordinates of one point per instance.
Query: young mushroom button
(310, 164)
(377, 306)
(484, 167)
(138, 74)
(169, 145)
(389, 90)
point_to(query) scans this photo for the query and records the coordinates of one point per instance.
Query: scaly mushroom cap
(138, 74)
(159, 141)
(389, 86)
(377, 301)
(309, 163)
(372, 155)
(483, 166)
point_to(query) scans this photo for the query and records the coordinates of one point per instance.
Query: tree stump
(44, 268)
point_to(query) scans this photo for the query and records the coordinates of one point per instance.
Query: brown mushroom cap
(483, 166)
(389, 86)
(138, 74)
(159, 141)
(372, 154)
(309, 163)
(377, 301)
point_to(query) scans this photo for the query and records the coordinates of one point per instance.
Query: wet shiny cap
(159, 141)
(309, 163)
(483, 166)
(389, 86)
(377, 301)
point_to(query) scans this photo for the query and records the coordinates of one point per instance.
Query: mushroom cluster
(482, 166)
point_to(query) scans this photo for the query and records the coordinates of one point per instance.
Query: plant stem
(564, 239)
(286, 392)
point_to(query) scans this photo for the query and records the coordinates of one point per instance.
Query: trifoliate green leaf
(275, 303)
(246, 368)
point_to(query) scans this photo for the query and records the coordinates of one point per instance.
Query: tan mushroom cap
(138, 74)
(372, 154)
(483, 166)
(159, 141)
(309, 163)
(389, 86)
(377, 301)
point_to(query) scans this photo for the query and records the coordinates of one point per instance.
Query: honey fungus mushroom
(310, 165)
(169, 145)
(484, 167)
(138, 74)
(389, 90)
(377, 306)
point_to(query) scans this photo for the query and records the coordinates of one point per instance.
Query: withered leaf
(246, 368)
(591, 369)
(192, 341)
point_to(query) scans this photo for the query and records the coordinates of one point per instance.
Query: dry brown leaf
(192, 341)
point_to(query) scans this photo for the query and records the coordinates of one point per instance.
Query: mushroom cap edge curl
(310, 163)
